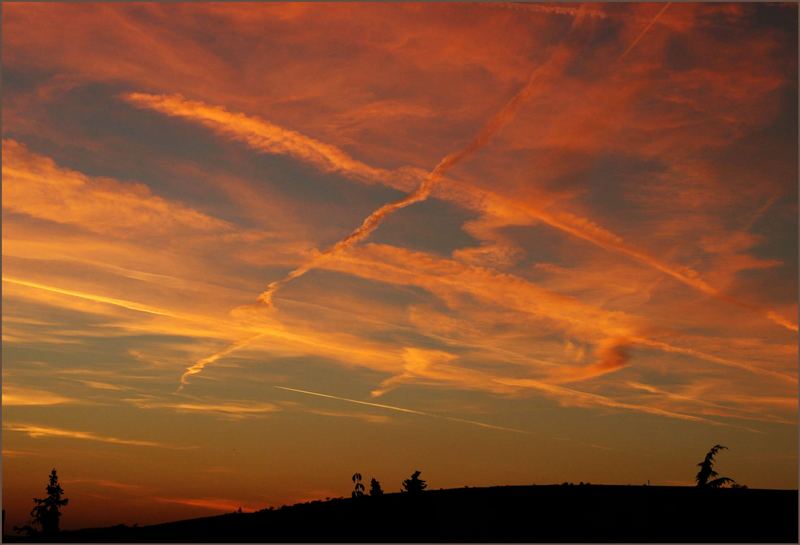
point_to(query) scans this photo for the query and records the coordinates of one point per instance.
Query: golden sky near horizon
(249, 250)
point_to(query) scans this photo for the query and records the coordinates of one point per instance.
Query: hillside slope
(511, 514)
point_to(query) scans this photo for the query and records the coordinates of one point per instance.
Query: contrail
(423, 191)
(200, 364)
(264, 136)
(685, 275)
(580, 398)
(643, 32)
(129, 305)
(403, 410)
(665, 347)
(495, 123)
(761, 211)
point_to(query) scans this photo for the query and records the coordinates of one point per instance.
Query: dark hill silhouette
(552, 513)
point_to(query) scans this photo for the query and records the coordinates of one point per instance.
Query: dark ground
(593, 513)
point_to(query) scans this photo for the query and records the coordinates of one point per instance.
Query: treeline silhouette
(413, 485)
(549, 513)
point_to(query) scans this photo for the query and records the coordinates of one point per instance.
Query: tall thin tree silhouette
(414, 485)
(47, 511)
(358, 489)
(707, 471)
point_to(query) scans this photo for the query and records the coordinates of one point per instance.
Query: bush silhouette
(47, 511)
(414, 485)
(707, 471)
(375, 487)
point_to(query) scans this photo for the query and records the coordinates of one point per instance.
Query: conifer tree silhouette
(47, 511)
(375, 487)
(414, 485)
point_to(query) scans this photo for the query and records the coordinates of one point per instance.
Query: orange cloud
(575, 398)
(213, 504)
(229, 409)
(623, 246)
(267, 137)
(252, 131)
(784, 377)
(742, 407)
(35, 185)
(102, 385)
(20, 396)
(581, 10)
(421, 364)
(612, 356)
(35, 431)
(421, 193)
(128, 488)
(371, 418)
(392, 264)
(442, 277)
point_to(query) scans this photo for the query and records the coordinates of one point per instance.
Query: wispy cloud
(14, 395)
(443, 276)
(577, 398)
(464, 193)
(36, 431)
(127, 488)
(749, 408)
(278, 139)
(16, 453)
(225, 408)
(266, 137)
(366, 417)
(36, 185)
(213, 504)
(621, 243)
(103, 385)
(784, 377)
(579, 10)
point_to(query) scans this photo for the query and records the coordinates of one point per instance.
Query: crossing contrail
(429, 182)
(423, 191)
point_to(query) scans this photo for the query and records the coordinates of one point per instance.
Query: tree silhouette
(414, 485)
(375, 487)
(707, 471)
(47, 511)
(358, 489)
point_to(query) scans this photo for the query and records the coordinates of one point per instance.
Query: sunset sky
(597, 283)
